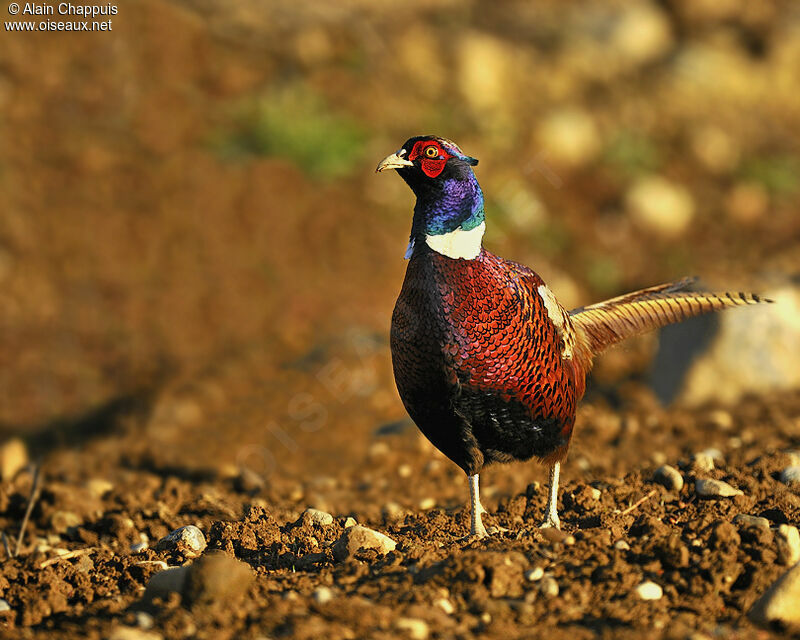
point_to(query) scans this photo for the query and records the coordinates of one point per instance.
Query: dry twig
(66, 556)
(31, 502)
(638, 503)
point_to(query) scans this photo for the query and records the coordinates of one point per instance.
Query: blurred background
(198, 264)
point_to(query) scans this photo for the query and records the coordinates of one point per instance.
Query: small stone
(703, 462)
(322, 518)
(404, 471)
(4, 606)
(660, 206)
(445, 605)
(670, 477)
(170, 580)
(321, 595)
(596, 493)
(621, 545)
(13, 458)
(548, 587)
(349, 522)
(791, 475)
(534, 575)
(248, 481)
(138, 547)
(427, 504)
(189, 541)
(63, 520)
(217, 577)
(721, 419)
(360, 537)
(144, 620)
(649, 590)
(412, 627)
(744, 520)
(788, 541)
(779, 602)
(132, 633)
(392, 510)
(99, 487)
(709, 488)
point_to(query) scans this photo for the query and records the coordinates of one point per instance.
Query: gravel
(358, 537)
(779, 602)
(322, 518)
(709, 488)
(788, 542)
(649, 590)
(670, 477)
(189, 541)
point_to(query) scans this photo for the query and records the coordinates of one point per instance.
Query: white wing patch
(459, 243)
(560, 319)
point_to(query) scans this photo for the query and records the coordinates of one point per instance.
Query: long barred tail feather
(606, 323)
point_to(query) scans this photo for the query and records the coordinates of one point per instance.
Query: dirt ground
(197, 271)
(710, 570)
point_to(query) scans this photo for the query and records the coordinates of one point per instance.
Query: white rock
(445, 605)
(349, 522)
(788, 541)
(779, 602)
(322, 595)
(13, 458)
(138, 547)
(744, 520)
(660, 206)
(132, 633)
(360, 537)
(709, 488)
(622, 545)
(188, 540)
(412, 627)
(791, 475)
(703, 461)
(549, 587)
(4, 606)
(596, 493)
(649, 590)
(670, 477)
(99, 487)
(535, 574)
(568, 136)
(316, 516)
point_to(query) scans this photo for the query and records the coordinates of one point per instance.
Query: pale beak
(394, 161)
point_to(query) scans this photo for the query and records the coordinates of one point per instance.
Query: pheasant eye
(432, 152)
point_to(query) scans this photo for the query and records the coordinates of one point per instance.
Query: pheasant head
(449, 214)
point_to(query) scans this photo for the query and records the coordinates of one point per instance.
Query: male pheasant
(487, 362)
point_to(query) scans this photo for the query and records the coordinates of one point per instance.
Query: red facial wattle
(432, 156)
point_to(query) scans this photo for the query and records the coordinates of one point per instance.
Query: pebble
(319, 517)
(404, 471)
(703, 461)
(349, 522)
(427, 504)
(744, 520)
(621, 545)
(535, 574)
(13, 458)
(144, 620)
(596, 493)
(788, 541)
(99, 487)
(360, 537)
(138, 547)
(321, 595)
(188, 541)
(4, 606)
(132, 633)
(413, 628)
(170, 580)
(392, 510)
(445, 605)
(791, 475)
(670, 477)
(549, 587)
(779, 602)
(709, 488)
(217, 577)
(660, 206)
(649, 590)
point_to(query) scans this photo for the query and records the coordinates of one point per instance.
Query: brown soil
(711, 571)
(206, 332)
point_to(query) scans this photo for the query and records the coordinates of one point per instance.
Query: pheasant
(488, 364)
